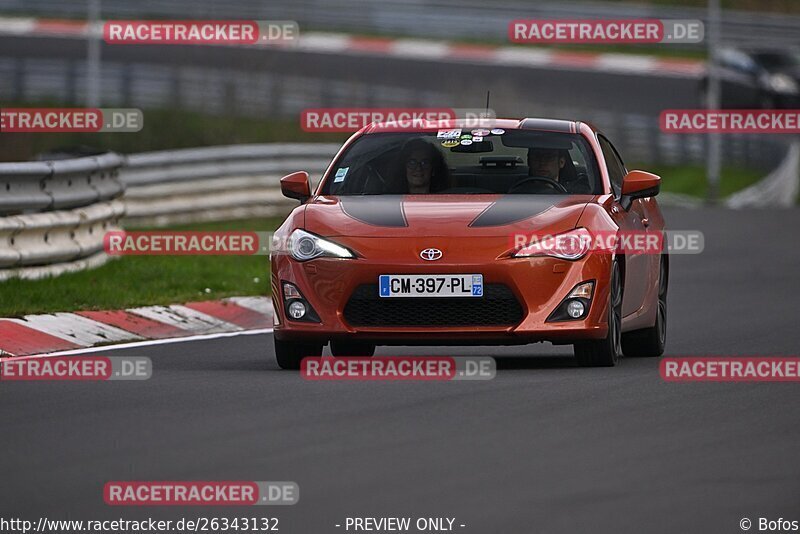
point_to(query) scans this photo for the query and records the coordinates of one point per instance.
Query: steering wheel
(549, 182)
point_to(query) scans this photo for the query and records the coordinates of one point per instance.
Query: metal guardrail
(452, 19)
(61, 184)
(55, 213)
(216, 183)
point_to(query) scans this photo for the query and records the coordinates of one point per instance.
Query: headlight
(305, 246)
(781, 83)
(572, 245)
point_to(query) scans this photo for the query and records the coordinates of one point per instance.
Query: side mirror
(296, 186)
(640, 184)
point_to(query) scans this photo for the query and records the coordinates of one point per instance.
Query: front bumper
(538, 284)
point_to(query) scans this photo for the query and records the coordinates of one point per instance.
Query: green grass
(691, 179)
(145, 280)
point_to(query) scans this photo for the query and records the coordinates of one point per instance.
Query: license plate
(430, 285)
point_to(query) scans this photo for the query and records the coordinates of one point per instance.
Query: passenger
(423, 168)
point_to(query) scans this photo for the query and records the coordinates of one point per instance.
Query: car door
(637, 265)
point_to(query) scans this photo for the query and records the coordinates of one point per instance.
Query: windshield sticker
(340, 174)
(498, 131)
(477, 138)
(450, 143)
(480, 132)
(449, 134)
(466, 142)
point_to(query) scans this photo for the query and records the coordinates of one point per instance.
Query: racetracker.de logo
(398, 119)
(730, 121)
(200, 32)
(62, 120)
(577, 243)
(425, 368)
(188, 243)
(625, 31)
(731, 369)
(205, 493)
(76, 368)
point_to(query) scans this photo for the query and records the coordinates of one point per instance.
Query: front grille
(497, 307)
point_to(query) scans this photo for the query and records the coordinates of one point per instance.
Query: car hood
(386, 216)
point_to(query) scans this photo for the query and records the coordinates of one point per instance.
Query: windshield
(466, 162)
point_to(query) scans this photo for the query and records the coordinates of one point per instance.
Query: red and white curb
(425, 49)
(40, 334)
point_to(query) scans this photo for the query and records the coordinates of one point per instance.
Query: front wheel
(606, 352)
(289, 353)
(650, 342)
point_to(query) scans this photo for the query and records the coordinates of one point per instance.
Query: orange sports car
(445, 234)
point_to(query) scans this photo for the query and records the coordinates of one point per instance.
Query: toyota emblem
(430, 254)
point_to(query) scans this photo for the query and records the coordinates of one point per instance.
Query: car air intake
(497, 307)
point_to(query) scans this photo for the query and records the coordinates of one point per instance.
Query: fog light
(575, 309)
(297, 309)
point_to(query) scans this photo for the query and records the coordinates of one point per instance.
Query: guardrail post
(713, 163)
(19, 79)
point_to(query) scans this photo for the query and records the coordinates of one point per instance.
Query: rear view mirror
(296, 186)
(474, 148)
(640, 184)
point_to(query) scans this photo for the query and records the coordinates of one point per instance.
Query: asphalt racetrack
(544, 447)
(542, 87)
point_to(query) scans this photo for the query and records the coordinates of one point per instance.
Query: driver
(552, 163)
(546, 162)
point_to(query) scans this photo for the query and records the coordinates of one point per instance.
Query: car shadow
(511, 363)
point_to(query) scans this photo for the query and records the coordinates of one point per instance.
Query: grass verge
(691, 179)
(145, 280)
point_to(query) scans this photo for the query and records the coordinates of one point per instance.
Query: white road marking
(149, 342)
(77, 329)
(262, 305)
(324, 42)
(419, 48)
(626, 63)
(185, 318)
(17, 26)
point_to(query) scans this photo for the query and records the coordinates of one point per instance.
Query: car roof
(530, 123)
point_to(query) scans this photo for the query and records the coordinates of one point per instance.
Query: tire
(606, 352)
(289, 354)
(650, 342)
(352, 348)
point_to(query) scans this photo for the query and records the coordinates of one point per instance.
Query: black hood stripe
(513, 208)
(387, 210)
(376, 210)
